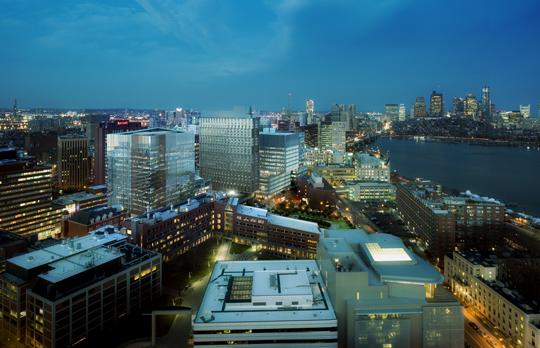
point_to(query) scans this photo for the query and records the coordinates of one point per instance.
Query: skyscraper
(26, 197)
(391, 111)
(420, 107)
(332, 135)
(458, 107)
(279, 158)
(525, 110)
(402, 112)
(73, 162)
(310, 110)
(229, 152)
(486, 104)
(436, 106)
(149, 169)
(471, 106)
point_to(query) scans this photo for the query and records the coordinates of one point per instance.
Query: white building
(265, 304)
(371, 168)
(474, 280)
(525, 110)
(385, 295)
(370, 191)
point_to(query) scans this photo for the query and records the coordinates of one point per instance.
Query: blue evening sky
(214, 54)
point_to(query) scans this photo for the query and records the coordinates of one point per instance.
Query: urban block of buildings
(265, 303)
(385, 295)
(474, 280)
(69, 292)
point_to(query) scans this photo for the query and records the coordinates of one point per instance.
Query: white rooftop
(296, 224)
(68, 247)
(266, 291)
(251, 211)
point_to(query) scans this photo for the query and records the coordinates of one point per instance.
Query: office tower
(371, 168)
(420, 107)
(310, 111)
(332, 135)
(279, 159)
(26, 197)
(229, 152)
(149, 169)
(486, 104)
(436, 105)
(476, 280)
(402, 112)
(391, 111)
(98, 142)
(458, 107)
(384, 295)
(266, 304)
(343, 113)
(525, 110)
(73, 163)
(471, 106)
(71, 291)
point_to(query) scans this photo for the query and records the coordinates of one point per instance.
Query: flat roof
(296, 224)
(382, 255)
(102, 236)
(251, 211)
(280, 280)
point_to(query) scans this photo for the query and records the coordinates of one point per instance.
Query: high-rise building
(310, 111)
(525, 110)
(343, 113)
(69, 292)
(471, 106)
(402, 112)
(229, 152)
(391, 111)
(279, 156)
(332, 135)
(420, 107)
(458, 107)
(150, 169)
(26, 197)
(385, 295)
(278, 303)
(486, 104)
(73, 163)
(436, 104)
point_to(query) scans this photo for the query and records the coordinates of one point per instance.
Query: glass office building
(149, 169)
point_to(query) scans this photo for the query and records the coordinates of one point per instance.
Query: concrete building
(265, 304)
(150, 169)
(471, 106)
(336, 174)
(419, 109)
(279, 156)
(371, 168)
(72, 203)
(73, 162)
(332, 135)
(229, 152)
(26, 197)
(369, 191)
(385, 295)
(69, 292)
(473, 279)
(317, 192)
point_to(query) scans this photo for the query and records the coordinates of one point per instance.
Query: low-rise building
(371, 168)
(473, 279)
(78, 201)
(370, 191)
(86, 220)
(317, 192)
(385, 295)
(265, 304)
(336, 174)
(66, 293)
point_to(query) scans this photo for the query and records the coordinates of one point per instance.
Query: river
(509, 174)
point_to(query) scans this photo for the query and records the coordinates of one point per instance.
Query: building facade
(229, 152)
(150, 169)
(419, 109)
(473, 279)
(69, 292)
(385, 295)
(265, 304)
(436, 105)
(371, 168)
(26, 197)
(367, 191)
(73, 162)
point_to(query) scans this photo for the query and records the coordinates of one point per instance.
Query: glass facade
(149, 169)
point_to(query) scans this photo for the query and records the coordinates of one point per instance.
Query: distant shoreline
(457, 140)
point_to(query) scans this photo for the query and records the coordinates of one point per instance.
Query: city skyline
(144, 54)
